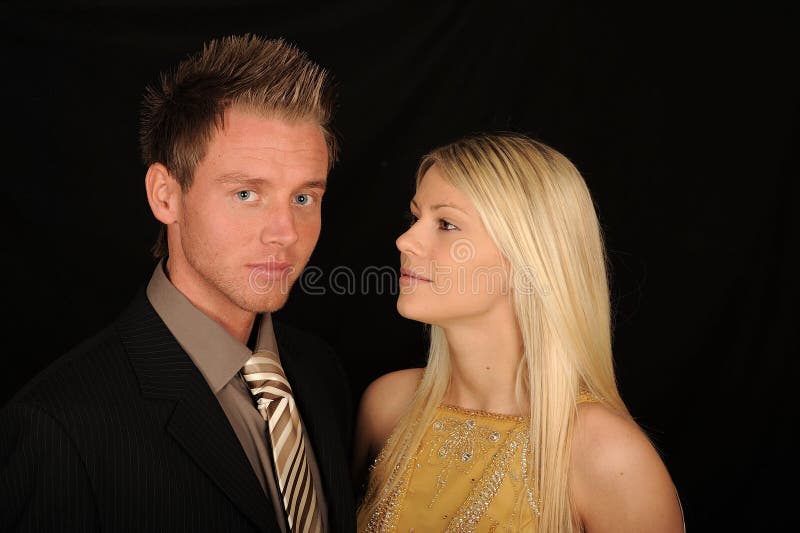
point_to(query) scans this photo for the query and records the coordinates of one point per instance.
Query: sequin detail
(455, 440)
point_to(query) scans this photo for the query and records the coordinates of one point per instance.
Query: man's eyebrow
(236, 178)
(315, 184)
(439, 206)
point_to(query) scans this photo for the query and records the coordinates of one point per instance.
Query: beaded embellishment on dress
(470, 473)
(467, 456)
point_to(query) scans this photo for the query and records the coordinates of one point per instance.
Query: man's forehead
(256, 133)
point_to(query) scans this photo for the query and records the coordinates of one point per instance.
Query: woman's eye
(246, 196)
(304, 199)
(445, 225)
(411, 219)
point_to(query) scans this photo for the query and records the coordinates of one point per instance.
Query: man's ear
(163, 193)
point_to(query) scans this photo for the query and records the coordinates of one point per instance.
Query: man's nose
(279, 226)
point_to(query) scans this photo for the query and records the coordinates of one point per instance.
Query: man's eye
(246, 196)
(304, 199)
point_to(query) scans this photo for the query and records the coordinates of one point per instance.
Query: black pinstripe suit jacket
(123, 434)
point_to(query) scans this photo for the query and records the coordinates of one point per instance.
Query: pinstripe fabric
(271, 389)
(124, 434)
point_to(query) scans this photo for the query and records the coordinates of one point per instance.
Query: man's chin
(265, 303)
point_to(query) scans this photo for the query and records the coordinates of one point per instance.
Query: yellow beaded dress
(461, 478)
(471, 473)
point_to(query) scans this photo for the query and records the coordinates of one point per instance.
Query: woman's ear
(163, 193)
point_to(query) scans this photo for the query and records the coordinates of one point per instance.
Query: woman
(516, 423)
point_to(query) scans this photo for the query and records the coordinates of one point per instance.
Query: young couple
(193, 411)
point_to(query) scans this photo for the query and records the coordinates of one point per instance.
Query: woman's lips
(408, 276)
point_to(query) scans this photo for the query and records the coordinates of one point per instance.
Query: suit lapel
(198, 423)
(202, 429)
(319, 419)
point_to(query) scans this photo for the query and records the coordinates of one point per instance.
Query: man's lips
(271, 268)
(408, 275)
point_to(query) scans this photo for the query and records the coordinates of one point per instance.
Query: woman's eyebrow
(438, 206)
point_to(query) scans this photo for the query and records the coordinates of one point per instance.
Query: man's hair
(267, 76)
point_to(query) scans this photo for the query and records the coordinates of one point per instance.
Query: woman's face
(451, 270)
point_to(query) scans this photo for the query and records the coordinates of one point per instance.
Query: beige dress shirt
(220, 357)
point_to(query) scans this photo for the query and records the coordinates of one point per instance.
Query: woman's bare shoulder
(618, 480)
(383, 403)
(385, 400)
(403, 382)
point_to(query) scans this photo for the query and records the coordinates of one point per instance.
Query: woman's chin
(410, 311)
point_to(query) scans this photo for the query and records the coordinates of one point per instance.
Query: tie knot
(263, 361)
(264, 375)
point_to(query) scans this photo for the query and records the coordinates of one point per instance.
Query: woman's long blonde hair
(538, 210)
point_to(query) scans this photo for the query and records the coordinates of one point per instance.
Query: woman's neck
(484, 357)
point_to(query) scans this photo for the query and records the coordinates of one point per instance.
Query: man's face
(251, 218)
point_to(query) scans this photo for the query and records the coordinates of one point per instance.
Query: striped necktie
(268, 384)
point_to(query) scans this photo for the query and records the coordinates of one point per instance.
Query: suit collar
(198, 422)
(216, 353)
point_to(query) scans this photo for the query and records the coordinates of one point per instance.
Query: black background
(683, 120)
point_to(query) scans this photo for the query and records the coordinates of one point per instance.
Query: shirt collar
(215, 352)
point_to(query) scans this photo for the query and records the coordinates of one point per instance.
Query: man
(190, 412)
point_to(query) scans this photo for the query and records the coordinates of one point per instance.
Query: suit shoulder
(296, 338)
(312, 350)
(70, 376)
(290, 332)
